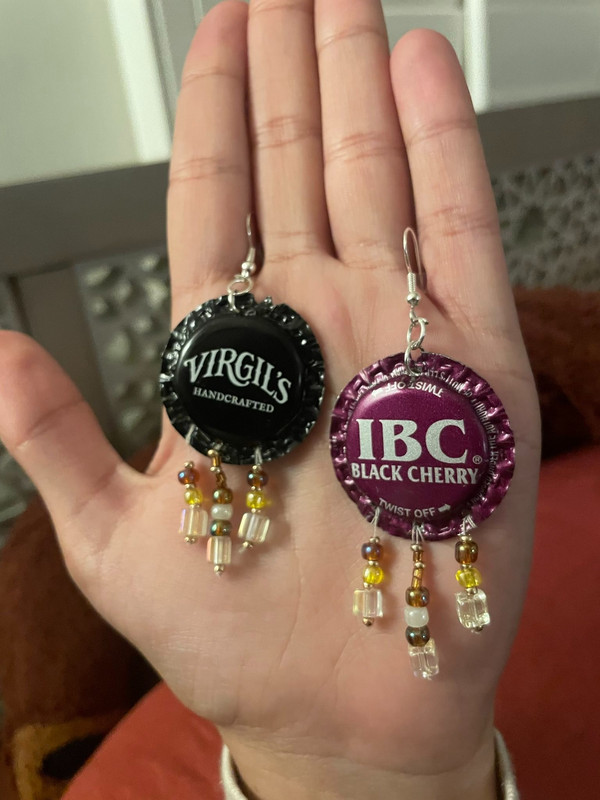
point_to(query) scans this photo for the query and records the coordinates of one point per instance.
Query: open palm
(343, 153)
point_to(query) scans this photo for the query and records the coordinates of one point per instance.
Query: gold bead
(417, 637)
(371, 551)
(466, 552)
(256, 499)
(469, 577)
(193, 497)
(417, 577)
(188, 475)
(417, 597)
(222, 495)
(372, 574)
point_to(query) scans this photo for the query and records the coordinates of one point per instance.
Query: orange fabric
(160, 751)
(548, 703)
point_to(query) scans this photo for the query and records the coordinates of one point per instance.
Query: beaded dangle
(255, 523)
(423, 446)
(218, 551)
(194, 519)
(421, 647)
(368, 601)
(471, 604)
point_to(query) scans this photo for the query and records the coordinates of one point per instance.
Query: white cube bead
(221, 511)
(416, 617)
(424, 660)
(194, 523)
(219, 550)
(368, 603)
(253, 527)
(472, 609)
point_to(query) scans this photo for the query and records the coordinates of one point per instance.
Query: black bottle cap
(238, 380)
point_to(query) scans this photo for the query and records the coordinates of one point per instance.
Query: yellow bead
(373, 574)
(469, 578)
(193, 497)
(256, 499)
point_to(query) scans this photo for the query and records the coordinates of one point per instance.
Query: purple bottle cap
(433, 449)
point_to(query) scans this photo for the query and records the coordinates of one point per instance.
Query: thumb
(52, 432)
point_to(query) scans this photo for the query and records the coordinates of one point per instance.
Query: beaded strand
(471, 604)
(218, 551)
(368, 601)
(421, 647)
(194, 519)
(254, 524)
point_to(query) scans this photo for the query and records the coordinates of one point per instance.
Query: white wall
(66, 100)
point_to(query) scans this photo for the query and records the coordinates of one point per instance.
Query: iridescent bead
(466, 552)
(373, 574)
(218, 550)
(253, 527)
(424, 660)
(417, 637)
(256, 499)
(417, 597)
(220, 527)
(222, 495)
(221, 511)
(188, 475)
(469, 578)
(193, 497)
(194, 523)
(368, 603)
(472, 609)
(257, 478)
(416, 617)
(371, 551)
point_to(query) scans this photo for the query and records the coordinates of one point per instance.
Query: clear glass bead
(368, 603)
(416, 617)
(221, 511)
(194, 523)
(472, 609)
(424, 660)
(253, 527)
(219, 550)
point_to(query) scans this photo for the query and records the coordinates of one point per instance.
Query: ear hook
(416, 278)
(252, 245)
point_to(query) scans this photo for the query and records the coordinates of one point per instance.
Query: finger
(366, 172)
(455, 209)
(51, 431)
(286, 128)
(209, 193)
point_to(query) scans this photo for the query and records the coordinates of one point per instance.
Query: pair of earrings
(422, 446)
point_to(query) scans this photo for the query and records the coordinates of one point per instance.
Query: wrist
(266, 774)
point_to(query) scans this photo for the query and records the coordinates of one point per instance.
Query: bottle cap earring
(242, 373)
(243, 382)
(426, 445)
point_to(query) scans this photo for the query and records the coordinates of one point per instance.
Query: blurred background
(88, 91)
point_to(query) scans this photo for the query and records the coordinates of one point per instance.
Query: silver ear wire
(416, 280)
(242, 283)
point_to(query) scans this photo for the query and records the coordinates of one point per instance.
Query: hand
(310, 701)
